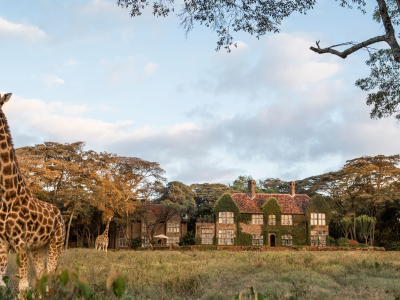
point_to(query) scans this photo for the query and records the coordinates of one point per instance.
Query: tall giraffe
(102, 240)
(26, 223)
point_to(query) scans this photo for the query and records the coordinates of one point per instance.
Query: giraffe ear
(5, 98)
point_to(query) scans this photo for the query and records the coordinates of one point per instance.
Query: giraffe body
(101, 242)
(26, 223)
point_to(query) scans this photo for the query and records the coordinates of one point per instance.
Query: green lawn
(223, 274)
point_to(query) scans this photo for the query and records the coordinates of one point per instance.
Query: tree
(207, 194)
(345, 223)
(260, 17)
(366, 225)
(241, 184)
(274, 186)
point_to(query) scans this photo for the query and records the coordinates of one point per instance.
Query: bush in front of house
(136, 243)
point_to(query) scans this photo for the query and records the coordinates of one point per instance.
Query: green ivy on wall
(197, 241)
(226, 203)
(242, 238)
(317, 205)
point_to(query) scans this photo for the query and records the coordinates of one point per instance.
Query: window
(145, 241)
(144, 227)
(207, 236)
(317, 219)
(173, 227)
(173, 240)
(287, 220)
(258, 219)
(258, 239)
(318, 238)
(226, 236)
(271, 220)
(226, 217)
(122, 240)
(286, 240)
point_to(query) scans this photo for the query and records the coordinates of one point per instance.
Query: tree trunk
(69, 227)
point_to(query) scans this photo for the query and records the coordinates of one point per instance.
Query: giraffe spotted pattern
(26, 223)
(102, 240)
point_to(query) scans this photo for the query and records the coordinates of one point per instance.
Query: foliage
(207, 194)
(242, 238)
(319, 205)
(136, 243)
(366, 225)
(343, 242)
(272, 207)
(189, 239)
(384, 84)
(226, 203)
(274, 186)
(241, 184)
(346, 223)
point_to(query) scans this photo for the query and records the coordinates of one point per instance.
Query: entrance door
(272, 240)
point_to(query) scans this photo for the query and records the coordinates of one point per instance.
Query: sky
(84, 70)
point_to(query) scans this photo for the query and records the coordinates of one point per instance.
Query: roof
(295, 205)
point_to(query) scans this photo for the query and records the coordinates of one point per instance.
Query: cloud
(51, 80)
(128, 70)
(70, 62)
(24, 32)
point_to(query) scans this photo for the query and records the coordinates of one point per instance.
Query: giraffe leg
(54, 251)
(4, 247)
(23, 271)
(39, 256)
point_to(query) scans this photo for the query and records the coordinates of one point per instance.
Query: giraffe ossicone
(26, 223)
(102, 240)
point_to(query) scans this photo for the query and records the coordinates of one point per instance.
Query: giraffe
(27, 224)
(102, 240)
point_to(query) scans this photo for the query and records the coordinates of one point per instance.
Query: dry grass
(222, 274)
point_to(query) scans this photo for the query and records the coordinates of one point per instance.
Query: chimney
(292, 190)
(251, 187)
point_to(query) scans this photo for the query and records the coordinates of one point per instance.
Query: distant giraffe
(26, 223)
(102, 240)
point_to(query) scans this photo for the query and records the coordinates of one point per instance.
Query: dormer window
(318, 219)
(258, 219)
(225, 217)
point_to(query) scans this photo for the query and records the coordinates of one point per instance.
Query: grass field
(223, 274)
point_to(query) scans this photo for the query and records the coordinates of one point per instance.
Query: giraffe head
(4, 99)
(110, 218)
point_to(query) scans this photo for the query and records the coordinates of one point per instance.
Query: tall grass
(223, 274)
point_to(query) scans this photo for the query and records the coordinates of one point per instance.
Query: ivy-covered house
(267, 219)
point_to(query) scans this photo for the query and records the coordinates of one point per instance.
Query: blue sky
(86, 71)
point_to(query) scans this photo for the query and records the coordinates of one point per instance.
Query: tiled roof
(155, 208)
(296, 204)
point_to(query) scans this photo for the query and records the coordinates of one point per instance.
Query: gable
(295, 205)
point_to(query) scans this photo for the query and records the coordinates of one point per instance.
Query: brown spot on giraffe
(21, 215)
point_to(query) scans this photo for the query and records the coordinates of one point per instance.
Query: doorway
(272, 240)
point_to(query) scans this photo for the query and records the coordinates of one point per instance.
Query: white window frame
(207, 235)
(145, 241)
(226, 217)
(272, 220)
(258, 239)
(287, 219)
(257, 219)
(144, 229)
(173, 226)
(287, 240)
(226, 236)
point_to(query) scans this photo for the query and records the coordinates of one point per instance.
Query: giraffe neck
(11, 182)
(107, 227)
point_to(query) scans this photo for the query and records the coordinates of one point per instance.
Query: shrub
(343, 242)
(136, 243)
(352, 243)
(188, 239)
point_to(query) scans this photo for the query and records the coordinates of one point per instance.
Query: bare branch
(350, 50)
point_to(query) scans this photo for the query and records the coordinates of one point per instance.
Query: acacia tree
(260, 17)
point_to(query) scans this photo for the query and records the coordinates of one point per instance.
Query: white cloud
(70, 62)
(151, 68)
(24, 32)
(51, 80)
